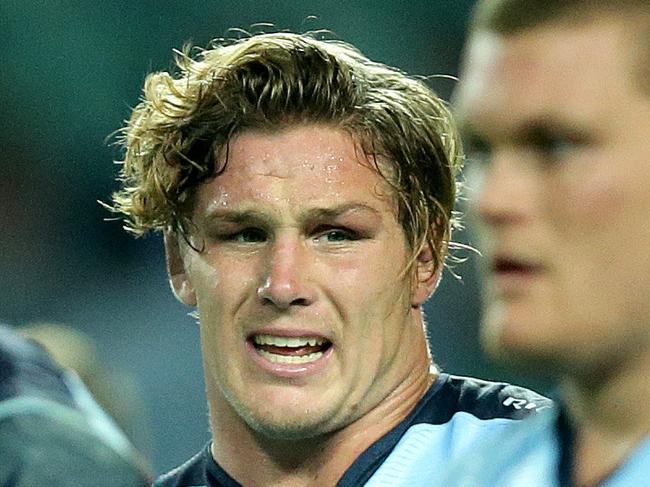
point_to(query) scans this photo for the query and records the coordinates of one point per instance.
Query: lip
(512, 275)
(289, 371)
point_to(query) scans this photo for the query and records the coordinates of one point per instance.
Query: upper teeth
(279, 341)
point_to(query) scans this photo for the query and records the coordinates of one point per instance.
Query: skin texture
(558, 116)
(300, 238)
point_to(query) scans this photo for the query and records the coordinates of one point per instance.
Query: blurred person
(554, 98)
(74, 350)
(306, 199)
(52, 433)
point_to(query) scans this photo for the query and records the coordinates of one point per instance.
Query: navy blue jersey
(452, 416)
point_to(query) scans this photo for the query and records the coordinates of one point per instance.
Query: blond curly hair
(175, 136)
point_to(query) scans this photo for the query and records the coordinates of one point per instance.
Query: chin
(517, 347)
(284, 421)
(285, 429)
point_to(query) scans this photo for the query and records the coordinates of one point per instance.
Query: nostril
(266, 300)
(283, 293)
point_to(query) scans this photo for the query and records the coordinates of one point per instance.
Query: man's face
(565, 193)
(306, 323)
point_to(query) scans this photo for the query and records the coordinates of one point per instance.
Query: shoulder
(520, 454)
(454, 416)
(458, 411)
(481, 399)
(190, 474)
(486, 399)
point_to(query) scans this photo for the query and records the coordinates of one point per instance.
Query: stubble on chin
(282, 424)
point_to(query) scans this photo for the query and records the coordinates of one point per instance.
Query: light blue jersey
(536, 452)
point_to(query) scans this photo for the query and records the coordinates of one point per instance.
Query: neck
(253, 459)
(611, 414)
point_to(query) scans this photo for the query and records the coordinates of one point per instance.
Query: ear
(426, 276)
(178, 278)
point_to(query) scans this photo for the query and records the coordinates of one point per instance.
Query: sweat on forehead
(269, 155)
(311, 164)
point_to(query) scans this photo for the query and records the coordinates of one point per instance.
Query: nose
(506, 190)
(285, 280)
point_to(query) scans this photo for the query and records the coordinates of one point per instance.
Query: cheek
(369, 286)
(390, 295)
(589, 216)
(219, 285)
(585, 201)
(205, 278)
(598, 199)
(374, 304)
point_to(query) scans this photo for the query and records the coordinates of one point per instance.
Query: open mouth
(290, 350)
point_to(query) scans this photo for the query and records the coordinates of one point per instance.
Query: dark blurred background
(70, 73)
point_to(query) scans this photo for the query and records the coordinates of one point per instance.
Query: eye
(556, 146)
(247, 235)
(334, 235)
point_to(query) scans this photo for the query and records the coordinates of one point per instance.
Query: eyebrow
(527, 131)
(337, 211)
(550, 126)
(237, 216)
(254, 216)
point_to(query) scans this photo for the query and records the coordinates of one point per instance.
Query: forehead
(566, 70)
(309, 165)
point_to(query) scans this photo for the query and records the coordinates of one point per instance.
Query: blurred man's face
(564, 129)
(306, 322)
